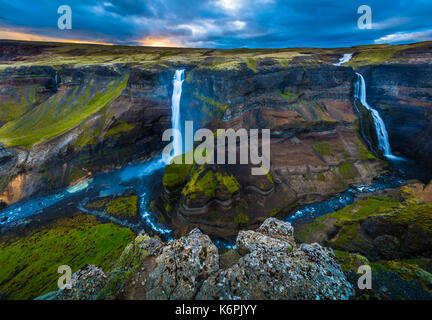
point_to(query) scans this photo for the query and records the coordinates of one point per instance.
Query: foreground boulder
(275, 269)
(267, 264)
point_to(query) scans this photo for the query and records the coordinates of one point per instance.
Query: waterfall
(345, 58)
(56, 79)
(381, 131)
(175, 109)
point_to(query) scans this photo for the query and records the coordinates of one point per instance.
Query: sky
(219, 23)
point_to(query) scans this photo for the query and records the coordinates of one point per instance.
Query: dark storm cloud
(224, 23)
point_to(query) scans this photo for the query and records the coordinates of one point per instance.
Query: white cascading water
(175, 109)
(345, 58)
(381, 131)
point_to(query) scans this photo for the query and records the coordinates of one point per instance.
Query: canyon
(81, 131)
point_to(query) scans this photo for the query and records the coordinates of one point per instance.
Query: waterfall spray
(175, 109)
(380, 128)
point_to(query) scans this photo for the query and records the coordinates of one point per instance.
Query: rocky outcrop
(271, 266)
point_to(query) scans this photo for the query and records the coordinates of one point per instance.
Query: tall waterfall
(175, 109)
(381, 131)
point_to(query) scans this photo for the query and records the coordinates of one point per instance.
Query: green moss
(322, 148)
(273, 212)
(17, 102)
(212, 108)
(134, 253)
(347, 220)
(289, 96)
(347, 171)
(123, 206)
(350, 261)
(321, 177)
(116, 280)
(59, 113)
(269, 177)
(408, 272)
(208, 182)
(118, 129)
(241, 217)
(229, 181)
(98, 204)
(205, 183)
(251, 63)
(75, 174)
(29, 263)
(175, 175)
(374, 55)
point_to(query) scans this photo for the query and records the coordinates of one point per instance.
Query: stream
(145, 180)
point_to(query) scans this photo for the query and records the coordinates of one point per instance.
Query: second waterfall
(380, 128)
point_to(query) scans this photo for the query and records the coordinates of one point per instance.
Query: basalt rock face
(315, 146)
(271, 267)
(402, 93)
(122, 113)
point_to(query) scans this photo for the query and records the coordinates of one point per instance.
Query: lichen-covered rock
(228, 259)
(86, 283)
(249, 241)
(277, 229)
(182, 267)
(136, 251)
(275, 270)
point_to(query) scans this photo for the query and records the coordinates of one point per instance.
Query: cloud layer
(219, 23)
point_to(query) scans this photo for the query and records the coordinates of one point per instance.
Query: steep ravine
(403, 95)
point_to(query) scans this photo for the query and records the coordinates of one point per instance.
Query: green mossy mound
(29, 263)
(61, 112)
(402, 280)
(361, 226)
(123, 206)
(119, 207)
(206, 181)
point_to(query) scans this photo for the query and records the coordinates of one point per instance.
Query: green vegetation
(213, 109)
(209, 182)
(322, 148)
(251, 63)
(321, 177)
(273, 212)
(60, 113)
(116, 280)
(347, 220)
(175, 175)
(17, 103)
(123, 206)
(289, 96)
(29, 263)
(120, 128)
(404, 280)
(350, 261)
(347, 171)
(374, 54)
(241, 217)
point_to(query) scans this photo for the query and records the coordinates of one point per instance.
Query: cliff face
(70, 111)
(77, 121)
(402, 93)
(316, 149)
